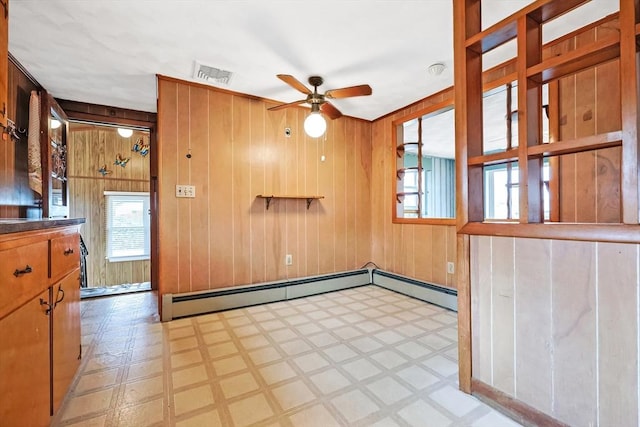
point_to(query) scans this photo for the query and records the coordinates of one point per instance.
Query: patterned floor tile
(360, 357)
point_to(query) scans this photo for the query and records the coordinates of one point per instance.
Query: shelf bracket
(267, 201)
(309, 200)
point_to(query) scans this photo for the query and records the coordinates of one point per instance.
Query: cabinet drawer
(65, 255)
(24, 274)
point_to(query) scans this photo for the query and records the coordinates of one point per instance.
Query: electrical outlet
(187, 191)
(288, 259)
(451, 268)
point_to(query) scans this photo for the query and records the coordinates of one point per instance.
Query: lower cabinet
(66, 351)
(24, 365)
(39, 325)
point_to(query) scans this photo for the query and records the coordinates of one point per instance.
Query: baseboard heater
(194, 303)
(438, 295)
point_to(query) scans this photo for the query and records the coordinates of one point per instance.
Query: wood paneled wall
(14, 178)
(558, 330)
(416, 250)
(589, 104)
(90, 147)
(227, 237)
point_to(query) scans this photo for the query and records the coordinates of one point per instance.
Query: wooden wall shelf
(309, 199)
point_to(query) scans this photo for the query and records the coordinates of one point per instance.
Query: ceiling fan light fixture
(315, 125)
(125, 133)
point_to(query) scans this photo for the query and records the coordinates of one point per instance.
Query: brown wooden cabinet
(24, 364)
(39, 323)
(4, 61)
(65, 337)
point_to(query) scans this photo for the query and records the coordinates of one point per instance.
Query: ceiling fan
(320, 100)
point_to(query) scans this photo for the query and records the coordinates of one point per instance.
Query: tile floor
(358, 357)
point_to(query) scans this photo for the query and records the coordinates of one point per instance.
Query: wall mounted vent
(211, 74)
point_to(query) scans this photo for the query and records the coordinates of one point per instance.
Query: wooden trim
(463, 261)
(516, 409)
(581, 30)
(24, 71)
(424, 111)
(505, 30)
(629, 111)
(494, 158)
(616, 233)
(425, 221)
(593, 142)
(576, 60)
(103, 114)
(107, 178)
(554, 163)
(502, 81)
(443, 92)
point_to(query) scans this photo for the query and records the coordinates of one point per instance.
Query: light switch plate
(187, 191)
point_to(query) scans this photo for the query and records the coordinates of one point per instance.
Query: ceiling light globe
(125, 133)
(315, 125)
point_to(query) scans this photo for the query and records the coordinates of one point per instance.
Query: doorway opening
(109, 185)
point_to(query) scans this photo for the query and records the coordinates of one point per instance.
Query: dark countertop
(15, 225)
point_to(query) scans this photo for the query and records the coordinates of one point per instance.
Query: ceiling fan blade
(289, 104)
(347, 92)
(294, 83)
(330, 110)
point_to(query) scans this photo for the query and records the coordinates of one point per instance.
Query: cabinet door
(66, 334)
(24, 365)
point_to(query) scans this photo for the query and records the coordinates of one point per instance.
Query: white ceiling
(109, 51)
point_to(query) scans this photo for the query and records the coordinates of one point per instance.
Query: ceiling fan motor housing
(315, 81)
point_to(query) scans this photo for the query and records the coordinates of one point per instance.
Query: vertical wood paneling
(327, 187)
(183, 147)
(316, 209)
(363, 215)
(257, 211)
(617, 334)
(295, 209)
(533, 323)
(481, 309)
(451, 256)
(225, 236)
(91, 147)
(220, 232)
(167, 208)
(420, 250)
(567, 164)
(574, 327)
(608, 167)
(199, 163)
(241, 196)
(590, 185)
(439, 255)
(502, 302)
(339, 173)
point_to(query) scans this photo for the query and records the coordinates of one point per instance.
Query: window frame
(446, 104)
(122, 195)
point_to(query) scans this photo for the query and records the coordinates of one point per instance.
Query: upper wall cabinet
(54, 128)
(4, 60)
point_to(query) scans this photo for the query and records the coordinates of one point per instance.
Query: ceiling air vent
(211, 74)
